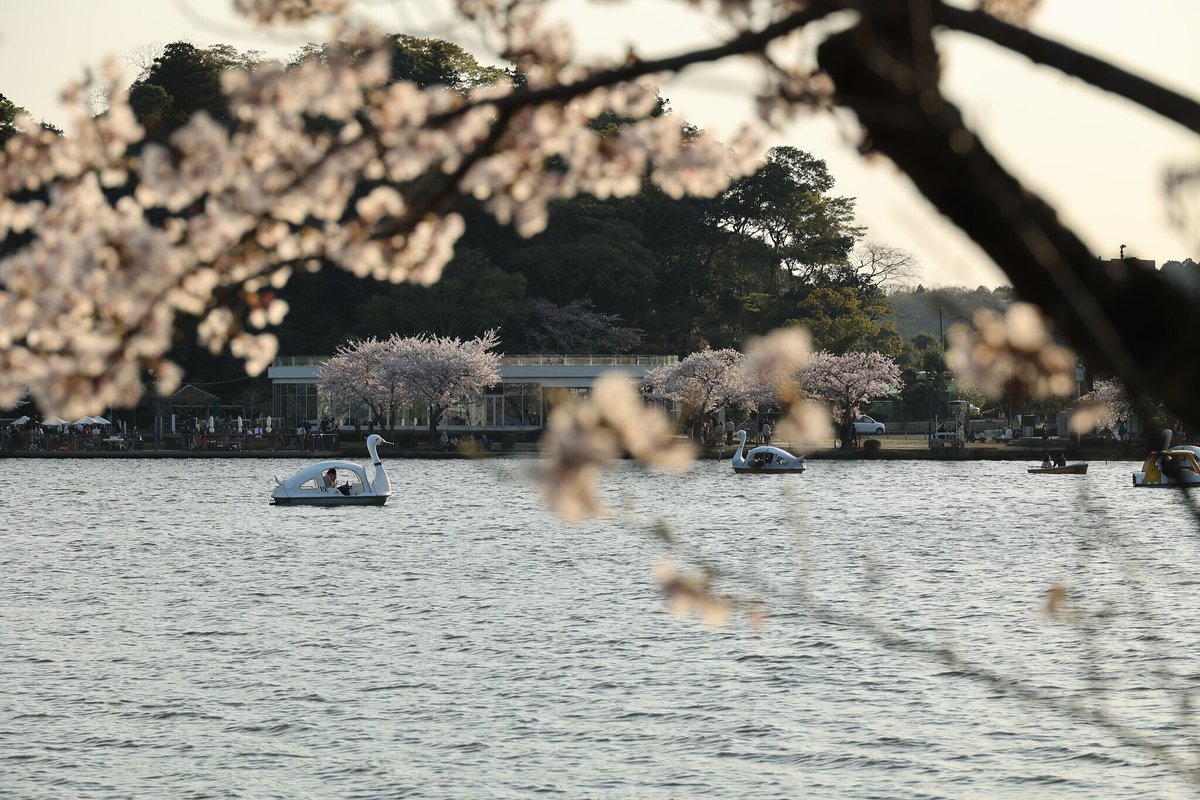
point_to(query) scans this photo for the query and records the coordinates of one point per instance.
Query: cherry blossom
(704, 382)
(1106, 405)
(1014, 346)
(584, 435)
(433, 371)
(845, 383)
(439, 371)
(362, 370)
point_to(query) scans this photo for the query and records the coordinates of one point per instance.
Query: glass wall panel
(294, 402)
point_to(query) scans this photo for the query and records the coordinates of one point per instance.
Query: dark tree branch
(1101, 74)
(742, 44)
(1125, 320)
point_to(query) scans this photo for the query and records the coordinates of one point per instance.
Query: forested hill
(932, 311)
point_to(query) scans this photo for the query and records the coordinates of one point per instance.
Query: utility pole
(157, 414)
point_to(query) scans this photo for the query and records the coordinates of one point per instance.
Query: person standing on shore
(766, 432)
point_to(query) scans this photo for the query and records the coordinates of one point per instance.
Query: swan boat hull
(761, 471)
(1079, 468)
(769, 469)
(330, 500)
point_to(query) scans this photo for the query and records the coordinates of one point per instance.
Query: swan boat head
(308, 487)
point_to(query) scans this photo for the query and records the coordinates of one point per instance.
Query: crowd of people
(35, 435)
(199, 433)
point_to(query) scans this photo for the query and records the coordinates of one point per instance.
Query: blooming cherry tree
(365, 371)
(846, 382)
(434, 371)
(440, 371)
(1107, 404)
(702, 383)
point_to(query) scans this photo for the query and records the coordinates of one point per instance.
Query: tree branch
(743, 43)
(1123, 320)
(1171, 105)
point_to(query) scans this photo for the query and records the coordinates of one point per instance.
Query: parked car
(869, 426)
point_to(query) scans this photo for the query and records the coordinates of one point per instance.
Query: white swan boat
(1170, 466)
(765, 459)
(336, 483)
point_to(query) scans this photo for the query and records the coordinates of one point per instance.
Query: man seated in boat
(331, 482)
(1060, 460)
(759, 460)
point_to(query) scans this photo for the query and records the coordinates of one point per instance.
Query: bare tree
(141, 58)
(881, 266)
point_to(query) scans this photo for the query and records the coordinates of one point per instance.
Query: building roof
(189, 395)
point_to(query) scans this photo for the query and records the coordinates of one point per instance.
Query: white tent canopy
(100, 421)
(84, 421)
(54, 422)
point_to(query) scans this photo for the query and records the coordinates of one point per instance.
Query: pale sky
(1099, 159)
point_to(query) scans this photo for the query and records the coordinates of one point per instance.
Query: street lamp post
(157, 414)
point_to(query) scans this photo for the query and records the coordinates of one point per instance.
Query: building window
(293, 402)
(518, 405)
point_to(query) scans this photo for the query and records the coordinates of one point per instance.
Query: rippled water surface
(165, 632)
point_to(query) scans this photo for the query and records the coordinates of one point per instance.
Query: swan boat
(1170, 466)
(765, 459)
(1074, 468)
(350, 484)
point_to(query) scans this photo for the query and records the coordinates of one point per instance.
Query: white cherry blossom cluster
(111, 238)
(439, 371)
(840, 385)
(361, 371)
(282, 12)
(703, 382)
(1017, 346)
(583, 436)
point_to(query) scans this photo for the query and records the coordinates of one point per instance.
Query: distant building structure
(528, 386)
(1184, 274)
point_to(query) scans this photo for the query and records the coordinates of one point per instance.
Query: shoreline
(904, 450)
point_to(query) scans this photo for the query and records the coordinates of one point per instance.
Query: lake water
(165, 632)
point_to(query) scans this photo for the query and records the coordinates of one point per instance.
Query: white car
(869, 426)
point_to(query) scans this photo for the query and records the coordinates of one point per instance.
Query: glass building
(528, 386)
